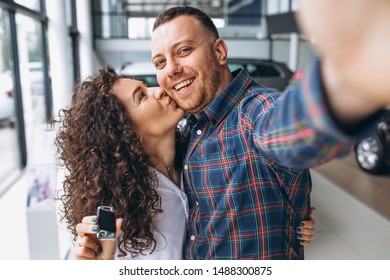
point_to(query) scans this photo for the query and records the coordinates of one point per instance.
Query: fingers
(305, 243)
(119, 222)
(305, 235)
(86, 248)
(87, 226)
(308, 225)
(89, 220)
(306, 229)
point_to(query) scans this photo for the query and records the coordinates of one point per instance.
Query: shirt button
(199, 132)
(192, 237)
(186, 167)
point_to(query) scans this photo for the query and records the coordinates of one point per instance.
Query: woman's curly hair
(106, 163)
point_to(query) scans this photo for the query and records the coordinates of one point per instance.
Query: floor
(346, 228)
(372, 190)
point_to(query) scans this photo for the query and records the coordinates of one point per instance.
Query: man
(246, 170)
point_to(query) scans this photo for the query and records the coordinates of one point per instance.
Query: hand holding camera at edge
(88, 247)
(352, 38)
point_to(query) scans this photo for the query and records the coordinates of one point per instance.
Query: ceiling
(152, 8)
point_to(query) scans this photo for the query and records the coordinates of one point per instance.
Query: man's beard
(204, 95)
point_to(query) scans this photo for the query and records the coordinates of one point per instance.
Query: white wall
(281, 52)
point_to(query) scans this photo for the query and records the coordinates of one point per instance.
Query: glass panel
(138, 28)
(31, 4)
(272, 7)
(31, 69)
(110, 20)
(9, 148)
(294, 5)
(244, 13)
(277, 6)
(284, 6)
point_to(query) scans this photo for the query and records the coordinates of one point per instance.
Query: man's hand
(354, 38)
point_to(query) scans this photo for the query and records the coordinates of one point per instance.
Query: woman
(120, 143)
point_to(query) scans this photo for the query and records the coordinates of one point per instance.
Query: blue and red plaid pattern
(246, 170)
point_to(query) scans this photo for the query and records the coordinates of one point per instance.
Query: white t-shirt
(171, 224)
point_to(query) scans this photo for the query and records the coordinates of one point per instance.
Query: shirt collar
(221, 106)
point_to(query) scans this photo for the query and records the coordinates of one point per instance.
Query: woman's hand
(306, 229)
(88, 247)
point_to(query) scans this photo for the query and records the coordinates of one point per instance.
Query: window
(9, 147)
(31, 69)
(280, 6)
(25, 99)
(31, 4)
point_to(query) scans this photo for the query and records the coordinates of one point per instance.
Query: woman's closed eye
(141, 96)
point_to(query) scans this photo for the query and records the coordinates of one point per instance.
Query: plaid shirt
(246, 169)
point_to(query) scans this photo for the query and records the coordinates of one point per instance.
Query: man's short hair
(174, 12)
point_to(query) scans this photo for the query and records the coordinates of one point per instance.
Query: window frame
(13, 8)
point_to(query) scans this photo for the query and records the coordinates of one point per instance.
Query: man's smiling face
(185, 56)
